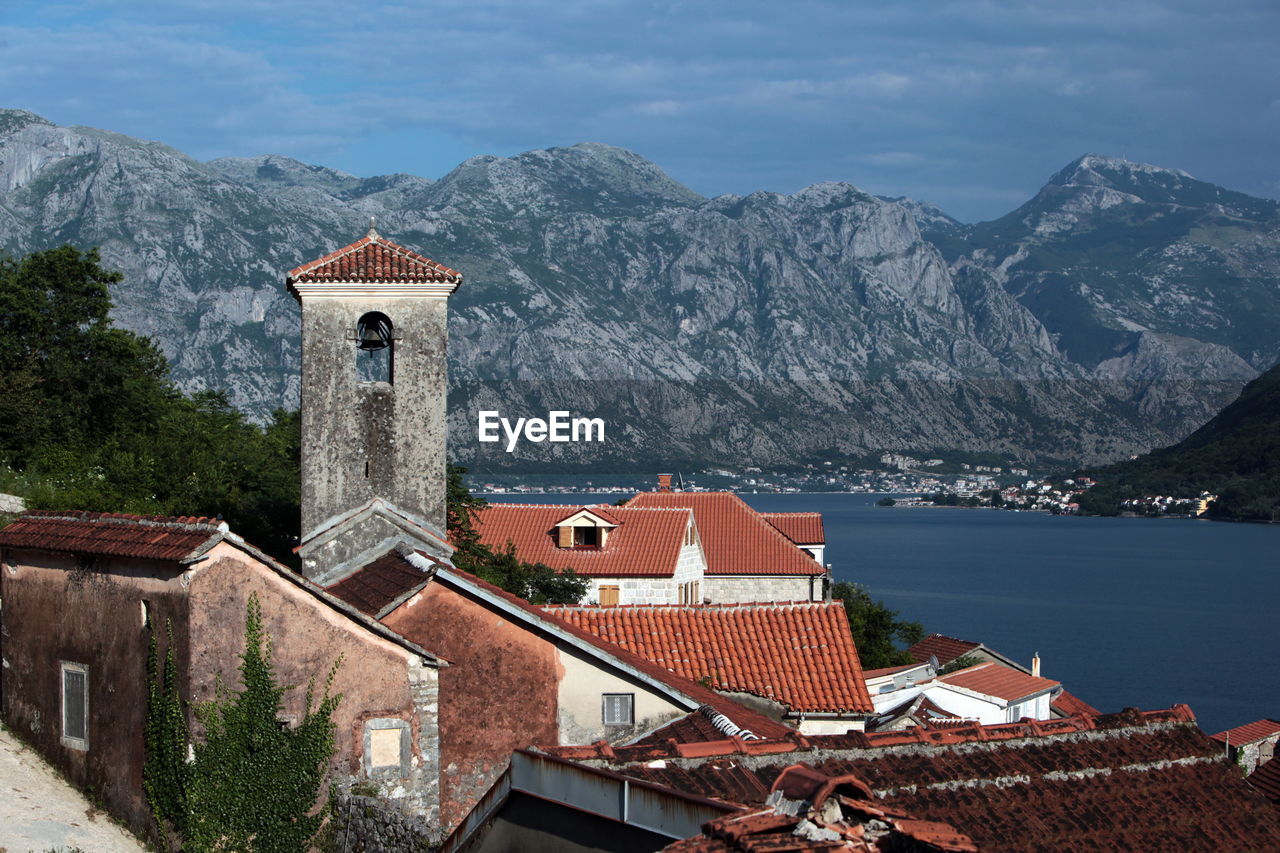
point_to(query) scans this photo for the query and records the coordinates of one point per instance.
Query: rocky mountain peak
(11, 121)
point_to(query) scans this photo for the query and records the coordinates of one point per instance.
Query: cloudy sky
(971, 105)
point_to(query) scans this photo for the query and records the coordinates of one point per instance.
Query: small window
(146, 613)
(387, 751)
(609, 595)
(586, 537)
(619, 709)
(75, 705)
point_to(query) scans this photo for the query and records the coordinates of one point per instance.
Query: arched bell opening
(375, 348)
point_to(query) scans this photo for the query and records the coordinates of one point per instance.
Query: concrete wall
(721, 589)
(58, 608)
(581, 702)
(499, 692)
(365, 440)
(824, 726)
(378, 679)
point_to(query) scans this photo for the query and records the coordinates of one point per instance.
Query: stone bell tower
(373, 403)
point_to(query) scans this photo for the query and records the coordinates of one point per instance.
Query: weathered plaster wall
(88, 612)
(377, 679)
(722, 589)
(819, 726)
(499, 691)
(365, 440)
(581, 702)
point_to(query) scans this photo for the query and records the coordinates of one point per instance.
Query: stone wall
(724, 589)
(363, 822)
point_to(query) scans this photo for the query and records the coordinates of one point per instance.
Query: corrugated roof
(992, 679)
(1249, 732)
(802, 528)
(946, 649)
(374, 260)
(104, 534)
(736, 539)
(800, 654)
(646, 542)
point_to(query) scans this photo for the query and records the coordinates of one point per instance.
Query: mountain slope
(1236, 455)
(767, 327)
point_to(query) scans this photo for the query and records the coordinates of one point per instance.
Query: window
(619, 709)
(586, 537)
(609, 595)
(75, 705)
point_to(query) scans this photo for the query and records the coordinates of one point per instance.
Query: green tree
(534, 582)
(255, 783)
(875, 627)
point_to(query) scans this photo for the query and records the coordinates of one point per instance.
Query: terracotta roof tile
(374, 259)
(104, 534)
(1070, 705)
(1249, 732)
(646, 542)
(992, 679)
(736, 539)
(1129, 781)
(800, 654)
(802, 528)
(380, 584)
(1266, 781)
(391, 582)
(946, 649)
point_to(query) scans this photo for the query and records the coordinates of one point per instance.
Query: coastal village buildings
(693, 718)
(799, 657)
(1252, 745)
(719, 551)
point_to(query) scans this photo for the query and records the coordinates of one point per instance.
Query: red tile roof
(946, 649)
(1266, 781)
(735, 538)
(374, 259)
(104, 534)
(646, 542)
(992, 679)
(802, 528)
(397, 584)
(380, 585)
(1119, 782)
(1249, 732)
(1070, 705)
(841, 809)
(800, 654)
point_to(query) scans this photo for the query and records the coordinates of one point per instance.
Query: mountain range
(1115, 311)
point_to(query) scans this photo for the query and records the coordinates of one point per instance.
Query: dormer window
(584, 530)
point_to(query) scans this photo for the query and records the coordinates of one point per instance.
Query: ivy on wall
(254, 781)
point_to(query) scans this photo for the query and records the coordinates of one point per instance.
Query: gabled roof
(103, 534)
(373, 260)
(646, 542)
(400, 585)
(993, 679)
(383, 585)
(945, 649)
(802, 528)
(1249, 732)
(736, 539)
(1130, 781)
(797, 653)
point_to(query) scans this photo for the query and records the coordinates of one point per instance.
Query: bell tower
(374, 387)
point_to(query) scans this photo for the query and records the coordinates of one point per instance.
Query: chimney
(1035, 665)
(664, 482)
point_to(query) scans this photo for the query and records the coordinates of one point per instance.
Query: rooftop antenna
(680, 478)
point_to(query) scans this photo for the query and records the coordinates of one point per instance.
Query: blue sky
(970, 105)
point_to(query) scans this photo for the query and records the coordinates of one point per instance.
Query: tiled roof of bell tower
(373, 259)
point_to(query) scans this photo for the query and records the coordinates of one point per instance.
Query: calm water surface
(1124, 612)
